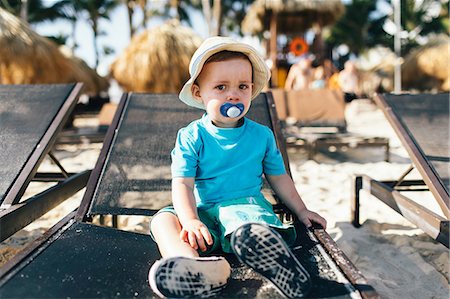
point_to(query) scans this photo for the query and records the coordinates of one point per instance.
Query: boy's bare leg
(181, 273)
(166, 230)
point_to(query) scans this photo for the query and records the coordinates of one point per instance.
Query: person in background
(349, 81)
(319, 81)
(300, 74)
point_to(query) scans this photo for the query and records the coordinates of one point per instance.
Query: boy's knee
(162, 221)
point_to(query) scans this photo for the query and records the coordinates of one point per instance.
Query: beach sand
(399, 260)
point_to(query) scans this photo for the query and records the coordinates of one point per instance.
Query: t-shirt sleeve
(184, 155)
(273, 163)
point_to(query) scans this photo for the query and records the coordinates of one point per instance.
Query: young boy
(217, 168)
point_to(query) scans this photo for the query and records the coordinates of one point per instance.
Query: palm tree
(34, 11)
(131, 6)
(95, 11)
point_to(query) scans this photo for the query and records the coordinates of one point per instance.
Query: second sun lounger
(318, 117)
(421, 122)
(31, 116)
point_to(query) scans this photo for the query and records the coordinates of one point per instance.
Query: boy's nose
(232, 96)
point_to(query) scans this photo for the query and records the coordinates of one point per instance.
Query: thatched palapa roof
(28, 58)
(157, 60)
(427, 67)
(294, 16)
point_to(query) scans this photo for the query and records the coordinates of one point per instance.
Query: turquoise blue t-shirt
(227, 163)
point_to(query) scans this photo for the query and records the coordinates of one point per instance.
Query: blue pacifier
(231, 110)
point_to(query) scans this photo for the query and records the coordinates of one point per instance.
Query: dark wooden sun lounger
(79, 259)
(317, 122)
(421, 122)
(31, 116)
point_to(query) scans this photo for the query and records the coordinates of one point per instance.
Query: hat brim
(261, 72)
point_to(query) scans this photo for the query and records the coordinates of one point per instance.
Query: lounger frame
(388, 192)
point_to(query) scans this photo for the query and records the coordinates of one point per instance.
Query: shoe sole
(264, 250)
(182, 277)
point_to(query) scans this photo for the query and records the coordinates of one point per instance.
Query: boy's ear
(195, 89)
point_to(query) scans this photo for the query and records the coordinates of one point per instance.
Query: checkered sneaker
(183, 277)
(263, 250)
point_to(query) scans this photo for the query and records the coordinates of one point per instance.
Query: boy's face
(224, 81)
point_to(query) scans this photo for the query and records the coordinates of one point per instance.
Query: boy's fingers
(206, 234)
(307, 223)
(183, 235)
(192, 240)
(200, 241)
(305, 219)
(320, 220)
(323, 222)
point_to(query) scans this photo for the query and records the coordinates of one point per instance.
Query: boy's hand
(307, 216)
(196, 233)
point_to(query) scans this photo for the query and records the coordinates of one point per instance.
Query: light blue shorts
(224, 218)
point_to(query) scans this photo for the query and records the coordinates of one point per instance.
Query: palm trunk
(130, 11)
(174, 9)
(95, 30)
(207, 13)
(145, 12)
(24, 10)
(217, 17)
(72, 34)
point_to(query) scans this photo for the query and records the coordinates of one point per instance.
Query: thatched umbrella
(95, 83)
(291, 17)
(428, 67)
(157, 60)
(28, 58)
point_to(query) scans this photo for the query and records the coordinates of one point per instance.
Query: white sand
(399, 260)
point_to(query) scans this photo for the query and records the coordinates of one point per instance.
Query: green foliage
(233, 13)
(361, 27)
(356, 29)
(60, 39)
(37, 12)
(422, 18)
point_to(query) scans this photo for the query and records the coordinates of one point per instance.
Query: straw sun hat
(212, 45)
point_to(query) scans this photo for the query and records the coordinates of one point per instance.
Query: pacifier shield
(231, 110)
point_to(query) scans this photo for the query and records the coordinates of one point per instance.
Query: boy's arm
(193, 231)
(285, 189)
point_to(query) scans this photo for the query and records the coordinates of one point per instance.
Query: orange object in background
(282, 74)
(333, 82)
(298, 46)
